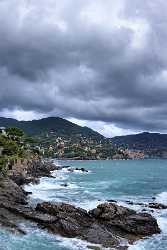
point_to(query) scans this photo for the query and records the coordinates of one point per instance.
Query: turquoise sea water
(137, 180)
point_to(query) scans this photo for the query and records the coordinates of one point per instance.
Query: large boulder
(125, 219)
(102, 225)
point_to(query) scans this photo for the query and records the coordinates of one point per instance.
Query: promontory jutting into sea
(83, 125)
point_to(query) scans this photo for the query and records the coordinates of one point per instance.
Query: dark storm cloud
(92, 60)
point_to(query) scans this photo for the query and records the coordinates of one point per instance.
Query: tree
(14, 133)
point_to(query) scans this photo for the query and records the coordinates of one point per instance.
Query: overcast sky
(100, 63)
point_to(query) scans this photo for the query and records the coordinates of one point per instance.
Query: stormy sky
(98, 63)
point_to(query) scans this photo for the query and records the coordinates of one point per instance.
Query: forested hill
(57, 125)
(142, 141)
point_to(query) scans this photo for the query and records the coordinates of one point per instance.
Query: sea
(132, 180)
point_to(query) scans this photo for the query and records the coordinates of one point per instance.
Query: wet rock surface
(153, 205)
(157, 206)
(102, 225)
(34, 170)
(71, 169)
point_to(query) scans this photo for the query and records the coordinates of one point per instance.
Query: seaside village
(16, 148)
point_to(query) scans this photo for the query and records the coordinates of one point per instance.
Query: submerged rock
(64, 185)
(70, 169)
(82, 170)
(157, 206)
(112, 201)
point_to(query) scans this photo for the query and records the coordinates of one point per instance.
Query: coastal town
(50, 145)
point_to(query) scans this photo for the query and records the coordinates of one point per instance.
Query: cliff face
(10, 195)
(30, 170)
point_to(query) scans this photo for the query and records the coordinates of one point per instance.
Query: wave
(88, 205)
(75, 244)
(162, 198)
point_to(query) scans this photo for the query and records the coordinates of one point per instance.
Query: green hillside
(57, 125)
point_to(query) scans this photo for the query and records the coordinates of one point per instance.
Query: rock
(76, 222)
(39, 168)
(126, 219)
(11, 195)
(112, 201)
(130, 202)
(84, 170)
(139, 204)
(157, 206)
(93, 247)
(34, 170)
(77, 169)
(10, 191)
(70, 170)
(64, 185)
(102, 225)
(18, 178)
(27, 193)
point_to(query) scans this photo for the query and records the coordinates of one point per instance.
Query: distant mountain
(57, 125)
(142, 141)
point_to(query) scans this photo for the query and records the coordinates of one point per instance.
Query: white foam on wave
(81, 172)
(65, 170)
(76, 244)
(88, 205)
(57, 163)
(46, 186)
(162, 198)
(137, 208)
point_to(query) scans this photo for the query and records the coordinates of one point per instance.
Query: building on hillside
(1, 151)
(3, 131)
(60, 148)
(135, 154)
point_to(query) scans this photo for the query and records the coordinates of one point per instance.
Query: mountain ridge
(49, 124)
(142, 141)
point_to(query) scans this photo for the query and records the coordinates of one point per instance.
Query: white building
(1, 150)
(3, 131)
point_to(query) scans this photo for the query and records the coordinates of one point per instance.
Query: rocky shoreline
(106, 225)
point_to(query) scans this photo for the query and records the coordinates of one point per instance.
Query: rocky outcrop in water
(106, 225)
(153, 205)
(34, 170)
(102, 225)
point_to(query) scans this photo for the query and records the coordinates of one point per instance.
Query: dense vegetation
(11, 146)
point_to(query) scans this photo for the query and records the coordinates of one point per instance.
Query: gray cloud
(86, 59)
